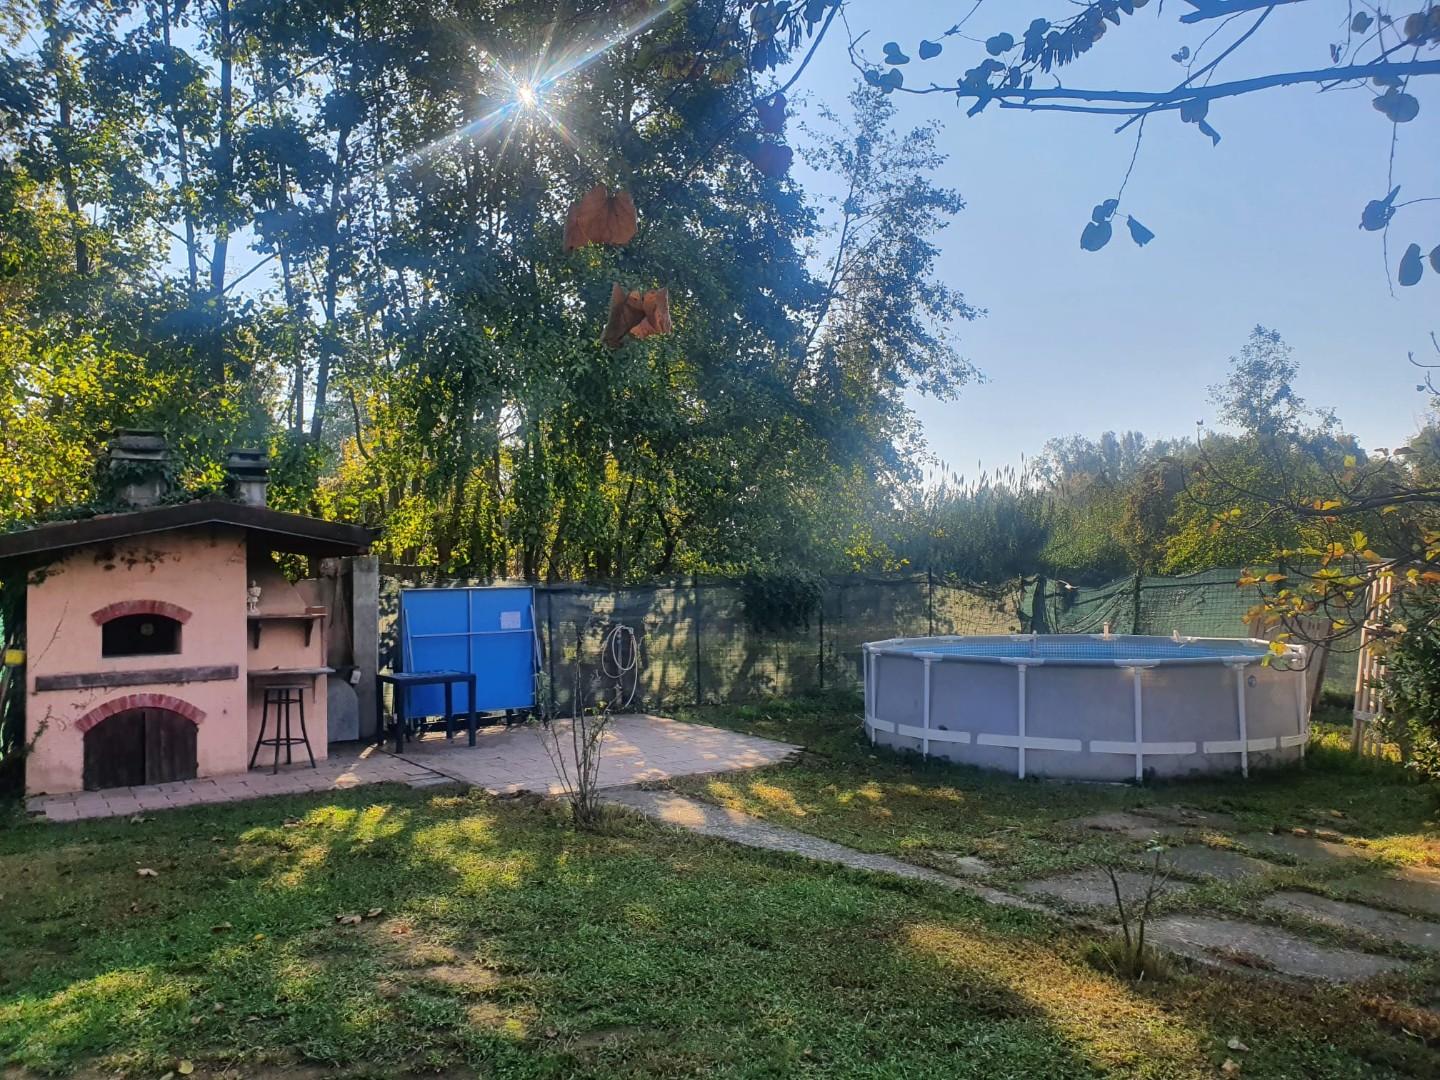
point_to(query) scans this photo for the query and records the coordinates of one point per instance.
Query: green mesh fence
(695, 644)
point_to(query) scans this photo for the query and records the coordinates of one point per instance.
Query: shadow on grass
(510, 944)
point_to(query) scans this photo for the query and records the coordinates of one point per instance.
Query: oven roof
(279, 531)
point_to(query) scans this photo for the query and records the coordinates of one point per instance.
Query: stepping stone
(1380, 924)
(1190, 817)
(1197, 860)
(1130, 825)
(1414, 887)
(1092, 888)
(1266, 948)
(962, 865)
(1307, 848)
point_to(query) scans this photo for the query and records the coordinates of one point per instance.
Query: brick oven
(150, 634)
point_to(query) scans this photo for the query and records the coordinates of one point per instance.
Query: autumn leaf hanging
(636, 314)
(600, 218)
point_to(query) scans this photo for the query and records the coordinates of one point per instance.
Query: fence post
(1135, 602)
(820, 667)
(550, 644)
(930, 598)
(695, 622)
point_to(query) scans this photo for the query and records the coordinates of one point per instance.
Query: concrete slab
(736, 827)
(1093, 889)
(1198, 860)
(637, 748)
(1415, 888)
(1305, 848)
(961, 865)
(1267, 947)
(1190, 817)
(1381, 924)
(1132, 826)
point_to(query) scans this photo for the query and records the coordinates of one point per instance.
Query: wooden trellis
(1369, 702)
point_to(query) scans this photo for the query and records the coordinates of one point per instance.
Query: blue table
(403, 681)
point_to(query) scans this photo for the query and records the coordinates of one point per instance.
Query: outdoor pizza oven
(152, 634)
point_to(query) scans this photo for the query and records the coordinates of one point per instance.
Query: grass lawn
(507, 944)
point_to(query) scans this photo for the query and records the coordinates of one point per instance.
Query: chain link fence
(696, 645)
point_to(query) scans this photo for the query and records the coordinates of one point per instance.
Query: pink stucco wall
(203, 571)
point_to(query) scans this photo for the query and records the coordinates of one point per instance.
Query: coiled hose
(620, 663)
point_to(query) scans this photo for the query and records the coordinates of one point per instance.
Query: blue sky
(1259, 229)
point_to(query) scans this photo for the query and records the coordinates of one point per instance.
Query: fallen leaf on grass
(375, 913)
(145, 871)
(220, 928)
(1230, 1068)
(1236, 1044)
(185, 1068)
(349, 920)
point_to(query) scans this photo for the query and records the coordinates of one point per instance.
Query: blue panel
(489, 631)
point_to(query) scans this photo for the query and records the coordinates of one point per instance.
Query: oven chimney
(249, 476)
(138, 466)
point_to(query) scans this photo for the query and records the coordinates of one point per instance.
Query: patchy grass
(508, 944)
(845, 790)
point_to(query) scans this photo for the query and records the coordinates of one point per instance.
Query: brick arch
(139, 701)
(140, 607)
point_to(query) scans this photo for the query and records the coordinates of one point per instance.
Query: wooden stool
(281, 696)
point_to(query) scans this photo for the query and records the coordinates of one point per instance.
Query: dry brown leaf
(1230, 1068)
(600, 218)
(1236, 1044)
(184, 1068)
(145, 871)
(348, 920)
(375, 913)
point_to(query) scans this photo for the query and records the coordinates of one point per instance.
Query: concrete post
(365, 636)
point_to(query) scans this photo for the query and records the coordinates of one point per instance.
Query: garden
(487, 585)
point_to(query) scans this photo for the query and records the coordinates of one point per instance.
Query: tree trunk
(57, 38)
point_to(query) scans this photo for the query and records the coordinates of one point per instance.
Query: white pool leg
(1139, 728)
(925, 742)
(1020, 726)
(1239, 670)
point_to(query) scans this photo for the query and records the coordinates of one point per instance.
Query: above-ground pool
(1089, 706)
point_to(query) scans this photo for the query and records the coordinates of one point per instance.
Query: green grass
(848, 791)
(511, 945)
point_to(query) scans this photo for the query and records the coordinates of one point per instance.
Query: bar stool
(280, 697)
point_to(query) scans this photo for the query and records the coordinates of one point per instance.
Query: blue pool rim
(1079, 650)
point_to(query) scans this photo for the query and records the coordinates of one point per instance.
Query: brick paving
(504, 761)
(347, 767)
(637, 748)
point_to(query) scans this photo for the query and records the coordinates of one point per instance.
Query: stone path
(1093, 888)
(739, 828)
(1387, 925)
(1265, 948)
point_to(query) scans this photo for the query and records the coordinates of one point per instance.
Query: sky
(1262, 228)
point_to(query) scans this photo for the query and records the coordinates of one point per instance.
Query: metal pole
(695, 623)
(820, 667)
(550, 645)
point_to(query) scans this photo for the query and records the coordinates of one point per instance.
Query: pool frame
(1177, 717)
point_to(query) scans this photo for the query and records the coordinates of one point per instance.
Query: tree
(1383, 49)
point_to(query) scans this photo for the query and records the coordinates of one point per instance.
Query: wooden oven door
(139, 746)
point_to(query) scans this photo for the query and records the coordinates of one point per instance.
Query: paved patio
(504, 760)
(637, 748)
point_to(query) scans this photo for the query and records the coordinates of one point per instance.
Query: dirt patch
(467, 975)
(606, 1036)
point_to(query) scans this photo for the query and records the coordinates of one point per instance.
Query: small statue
(252, 599)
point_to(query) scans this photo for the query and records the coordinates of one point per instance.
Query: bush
(1411, 686)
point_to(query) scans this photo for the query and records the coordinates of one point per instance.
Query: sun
(527, 97)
